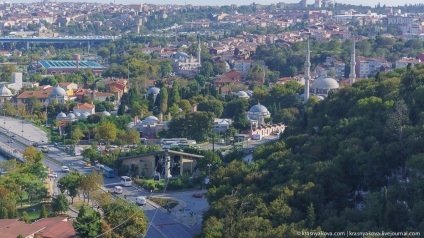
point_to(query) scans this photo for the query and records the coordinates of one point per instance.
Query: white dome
(242, 94)
(61, 115)
(58, 92)
(71, 115)
(259, 108)
(86, 114)
(325, 82)
(77, 114)
(151, 119)
(153, 90)
(5, 92)
(105, 113)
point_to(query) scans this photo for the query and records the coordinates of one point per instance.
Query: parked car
(65, 169)
(197, 195)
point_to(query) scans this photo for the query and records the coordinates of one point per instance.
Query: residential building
(401, 63)
(174, 163)
(366, 67)
(85, 108)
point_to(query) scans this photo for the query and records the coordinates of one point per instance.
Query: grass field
(34, 211)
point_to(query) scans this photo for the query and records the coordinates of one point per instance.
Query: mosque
(323, 85)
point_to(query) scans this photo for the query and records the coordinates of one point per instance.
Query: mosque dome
(151, 119)
(61, 115)
(258, 109)
(58, 92)
(325, 82)
(77, 114)
(71, 116)
(242, 94)
(105, 113)
(5, 92)
(153, 90)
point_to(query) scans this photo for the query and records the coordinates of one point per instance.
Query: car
(12, 135)
(140, 200)
(53, 175)
(118, 190)
(4, 131)
(10, 141)
(197, 195)
(65, 169)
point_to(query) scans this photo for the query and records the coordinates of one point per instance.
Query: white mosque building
(323, 85)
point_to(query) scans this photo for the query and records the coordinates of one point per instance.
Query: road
(162, 224)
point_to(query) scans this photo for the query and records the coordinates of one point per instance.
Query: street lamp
(22, 126)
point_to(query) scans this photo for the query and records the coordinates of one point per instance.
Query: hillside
(353, 162)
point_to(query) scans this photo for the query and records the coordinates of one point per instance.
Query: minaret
(199, 50)
(352, 75)
(307, 72)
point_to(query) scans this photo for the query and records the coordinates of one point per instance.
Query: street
(162, 224)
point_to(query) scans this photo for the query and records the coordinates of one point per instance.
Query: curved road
(164, 224)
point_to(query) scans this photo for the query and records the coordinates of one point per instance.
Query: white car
(65, 169)
(140, 200)
(118, 190)
(53, 175)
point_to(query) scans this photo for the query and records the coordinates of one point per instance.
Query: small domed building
(5, 94)
(59, 94)
(242, 94)
(106, 113)
(153, 90)
(61, 116)
(257, 115)
(322, 85)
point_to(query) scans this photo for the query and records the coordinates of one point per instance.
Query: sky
(238, 2)
(247, 2)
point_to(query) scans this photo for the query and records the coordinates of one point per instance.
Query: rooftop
(70, 64)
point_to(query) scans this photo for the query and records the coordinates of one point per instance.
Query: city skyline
(240, 2)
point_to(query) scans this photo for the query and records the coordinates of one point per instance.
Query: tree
(133, 137)
(32, 155)
(174, 95)
(88, 223)
(60, 204)
(165, 67)
(128, 219)
(77, 134)
(195, 125)
(103, 52)
(70, 183)
(90, 183)
(25, 217)
(43, 212)
(214, 106)
(107, 131)
(163, 100)
(33, 104)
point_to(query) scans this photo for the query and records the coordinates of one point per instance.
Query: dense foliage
(351, 162)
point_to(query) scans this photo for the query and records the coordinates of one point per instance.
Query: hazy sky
(246, 2)
(238, 2)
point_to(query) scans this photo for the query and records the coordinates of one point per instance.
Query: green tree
(88, 223)
(77, 134)
(163, 100)
(107, 131)
(70, 183)
(60, 204)
(43, 212)
(25, 217)
(33, 104)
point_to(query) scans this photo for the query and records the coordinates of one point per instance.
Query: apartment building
(366, 67)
